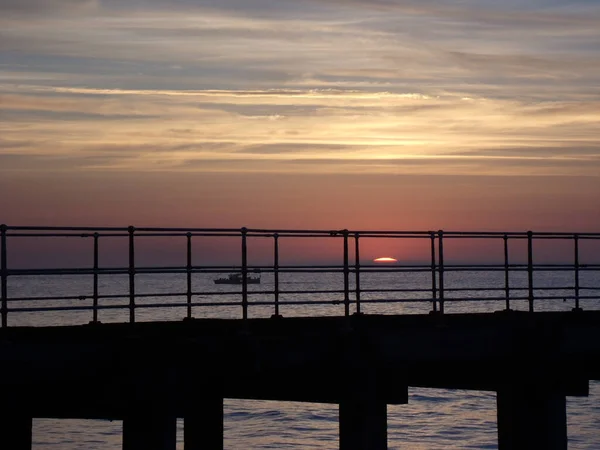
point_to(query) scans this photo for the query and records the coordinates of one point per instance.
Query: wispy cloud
(353, 86)
(297, 130)
(41, 8)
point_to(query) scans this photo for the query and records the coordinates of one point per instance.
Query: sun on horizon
(385, 259)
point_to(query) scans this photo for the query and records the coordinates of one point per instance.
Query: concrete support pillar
(15, 431)
(203, 427)
(149, 432)
(363, 422)
(531, 416)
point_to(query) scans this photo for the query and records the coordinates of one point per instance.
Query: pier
(534, 347)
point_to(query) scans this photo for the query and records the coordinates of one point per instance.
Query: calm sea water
(433, 418)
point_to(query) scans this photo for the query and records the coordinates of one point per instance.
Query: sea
(432, 419)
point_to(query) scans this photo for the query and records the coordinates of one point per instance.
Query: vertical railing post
(433, 275)
(276, 273)
(95, 281)
(506, 273)
(188, 269)
(357, 270)
(530, 268)
(131, 231)
(576, 248)
(441, 269)
(346, 275)
(244, 232)
(4, 275)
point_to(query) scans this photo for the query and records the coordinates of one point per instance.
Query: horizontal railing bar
(290, 302)
(184, 234)
(484, 289)
(518, 233)
(79, 235)
(523, 298)
(183, 305)
(172, 269)
(338, 302)
(57, 228)
(126, 228)
(425, 235)
(305, 231)
(428, 233)
(468, 299)
(171, 305)
(516, 236)
(283, 235)
(51, 298)
(192, 230)
(204, 270)
(26, 272)
(399, 300)
(65, 308)
(217, 293)
(292, 235)
(480, 289)
(170, 294)
(284, 292)
(475, 299)
(113, 234)
(296, 269)
(298, 302)
(88, 308)
(215, 304)
(31, 299)
(338, 232)
(536, 268)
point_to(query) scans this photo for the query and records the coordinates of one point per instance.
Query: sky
(329, 114)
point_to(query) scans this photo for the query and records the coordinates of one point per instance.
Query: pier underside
(150, 374)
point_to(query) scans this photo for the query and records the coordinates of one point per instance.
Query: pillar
(149, 432)
(15, 431)
(203, 426)
(363, 422)
(531, 416)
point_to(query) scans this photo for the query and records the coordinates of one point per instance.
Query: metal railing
(351, 293)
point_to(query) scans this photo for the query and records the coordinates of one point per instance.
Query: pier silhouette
(148, 373)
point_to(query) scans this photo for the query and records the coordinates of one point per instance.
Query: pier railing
(578, 260)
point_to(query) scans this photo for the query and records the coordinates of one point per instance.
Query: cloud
(334, 87)
(43, 7)
(489, 13)
(297, 129)
(563, 150)
(229, 44)
(403, 166)
(290, 147)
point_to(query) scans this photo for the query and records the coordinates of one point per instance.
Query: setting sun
(385, 259)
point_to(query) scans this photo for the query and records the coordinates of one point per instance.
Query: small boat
(237, 278)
